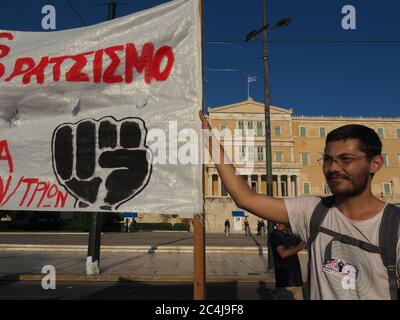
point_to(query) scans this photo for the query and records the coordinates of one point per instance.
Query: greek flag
(251, 79)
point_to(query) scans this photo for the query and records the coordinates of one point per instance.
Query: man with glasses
(345, 252)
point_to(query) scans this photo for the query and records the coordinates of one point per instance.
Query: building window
(214, 185)
(259, 128)
(241, 128)
(387, 188)
(398, 159)
(385, 157)
(322, 132)
(277, 131)
(260, 154)
(306, 188)
(242, 153)
(326, 188)
(250, 153)
(279, 157)
(381, 133)
(222, 129)
(305, 158)
(398, 133)
(250, 128)
(224, 192)
(303, 132)
(254, 186)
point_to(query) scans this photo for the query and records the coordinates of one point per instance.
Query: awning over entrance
(130, 215)
(237, 213)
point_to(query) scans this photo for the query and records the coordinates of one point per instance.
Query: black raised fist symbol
(102, 163)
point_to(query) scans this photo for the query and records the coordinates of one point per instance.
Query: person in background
(263, 230)
(288, 279)
(246, 226)
(132, 226)
(227, 227)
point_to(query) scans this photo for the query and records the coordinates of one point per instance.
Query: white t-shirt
(340, 271)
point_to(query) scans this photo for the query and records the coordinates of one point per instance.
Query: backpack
(389, 234)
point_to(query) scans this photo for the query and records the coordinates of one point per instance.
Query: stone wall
(218, 209)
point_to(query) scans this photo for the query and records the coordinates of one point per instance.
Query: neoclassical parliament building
(297, 144)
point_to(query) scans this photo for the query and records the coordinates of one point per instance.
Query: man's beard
(358, 184)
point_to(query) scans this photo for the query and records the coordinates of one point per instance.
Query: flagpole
(248, 89)
(199, 243)
(250, 79)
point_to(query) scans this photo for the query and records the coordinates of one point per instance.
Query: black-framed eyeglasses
(342, 161)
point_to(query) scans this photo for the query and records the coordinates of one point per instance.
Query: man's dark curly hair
(370, 143)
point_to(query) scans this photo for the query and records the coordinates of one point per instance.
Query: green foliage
(110, 222)
(181, 227)
(153, 226)
(35, 220)
(119, 216)
(162, 226)
(80, 222)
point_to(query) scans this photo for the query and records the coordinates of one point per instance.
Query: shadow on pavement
(260, 251)
(134, 290)
(146, 291)
(259, 246)
(142, 291)
(174, 241)
(6, 279)
(155, 247)
(184, 291)
(264, 292)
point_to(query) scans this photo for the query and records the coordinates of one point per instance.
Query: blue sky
(316, 67)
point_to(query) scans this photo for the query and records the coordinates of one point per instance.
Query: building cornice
(247, 102)
(341, 118)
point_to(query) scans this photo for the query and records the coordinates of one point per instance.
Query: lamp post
(267, 103)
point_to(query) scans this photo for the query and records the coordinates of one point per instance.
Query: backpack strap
(345, 239)
(317, 218)
(388, 238)
(389, 234)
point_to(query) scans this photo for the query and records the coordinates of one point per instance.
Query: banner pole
(199, 259)
(199, 245)
(96, 218)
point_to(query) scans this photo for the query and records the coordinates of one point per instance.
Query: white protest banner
(104, 118)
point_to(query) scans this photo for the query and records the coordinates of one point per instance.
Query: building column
(289, 186)
(259, 183)
(294, 192)
(273, 188)
(298, 186)
(249, 180)
(278, 180)
(210, 186)
(219, 187)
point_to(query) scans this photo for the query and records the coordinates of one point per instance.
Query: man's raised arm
(263, 206)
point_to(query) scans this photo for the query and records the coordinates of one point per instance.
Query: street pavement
(32, 290)
(138, 256)
(158, 238)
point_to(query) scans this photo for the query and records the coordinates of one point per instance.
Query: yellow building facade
(297, 144)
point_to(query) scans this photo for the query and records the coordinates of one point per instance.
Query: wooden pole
(199, 284)
(199, 245)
